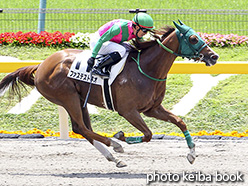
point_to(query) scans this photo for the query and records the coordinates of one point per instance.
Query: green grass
(38, 53)
(232, 54)
(27, 53)
(224, 107)
(43, 115)
(90, 22)
(168, 4)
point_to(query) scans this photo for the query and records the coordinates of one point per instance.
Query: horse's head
(192, 45)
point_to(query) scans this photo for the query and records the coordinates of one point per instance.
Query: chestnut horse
(139, 88)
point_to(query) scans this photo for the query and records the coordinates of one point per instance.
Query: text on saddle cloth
(79, 66)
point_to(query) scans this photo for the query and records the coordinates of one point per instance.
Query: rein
(166, 48)
(142, 72)
(185, 48)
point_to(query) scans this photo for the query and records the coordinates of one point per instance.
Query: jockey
(107, 40)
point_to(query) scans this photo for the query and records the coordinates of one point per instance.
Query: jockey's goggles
(144, 30)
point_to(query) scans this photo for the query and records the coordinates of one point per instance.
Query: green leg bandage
(132, 140)
(188, 139)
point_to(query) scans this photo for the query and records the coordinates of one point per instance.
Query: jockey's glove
(91, 62)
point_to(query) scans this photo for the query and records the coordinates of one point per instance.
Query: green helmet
(143, 20)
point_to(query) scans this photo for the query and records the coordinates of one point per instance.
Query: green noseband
(186, 49)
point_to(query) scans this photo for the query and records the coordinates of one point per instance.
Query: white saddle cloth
(80, 73)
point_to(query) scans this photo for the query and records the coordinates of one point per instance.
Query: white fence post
(63, 123)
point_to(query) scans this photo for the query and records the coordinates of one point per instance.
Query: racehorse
(139, 88)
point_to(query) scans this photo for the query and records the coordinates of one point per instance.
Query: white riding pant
(107, 47)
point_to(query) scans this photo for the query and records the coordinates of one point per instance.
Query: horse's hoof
(116, 146)
(118, 149)
(119, 135)
(191, 158)
(121, 164)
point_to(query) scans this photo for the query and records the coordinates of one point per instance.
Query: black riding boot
(108, 61)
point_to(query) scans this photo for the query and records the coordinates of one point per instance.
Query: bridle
(183, 41)
(186, 49)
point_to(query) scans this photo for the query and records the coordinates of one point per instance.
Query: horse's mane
(160, 34)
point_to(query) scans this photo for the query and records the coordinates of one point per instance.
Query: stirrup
(97, 71)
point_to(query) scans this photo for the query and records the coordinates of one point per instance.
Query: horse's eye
(193, 39)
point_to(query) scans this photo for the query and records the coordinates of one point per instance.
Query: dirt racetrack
(50, 161)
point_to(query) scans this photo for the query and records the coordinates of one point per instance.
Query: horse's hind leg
(136, 120)
(161, 113)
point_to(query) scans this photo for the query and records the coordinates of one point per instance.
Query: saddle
(78, 71)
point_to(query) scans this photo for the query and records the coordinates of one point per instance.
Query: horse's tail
(16, 80)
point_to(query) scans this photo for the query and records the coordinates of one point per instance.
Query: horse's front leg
(161, 113)
(136, 120)
(81, 125)
(98, 145)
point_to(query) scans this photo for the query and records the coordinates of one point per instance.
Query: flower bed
(51, 133)
(45, 39)
(32, 38)
(219, 40)
(57, 39)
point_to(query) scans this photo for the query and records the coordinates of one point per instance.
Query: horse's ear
(177, 25)
(181, 27)
(181, 23)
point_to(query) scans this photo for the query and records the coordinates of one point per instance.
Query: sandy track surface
(52, 161)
